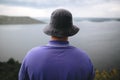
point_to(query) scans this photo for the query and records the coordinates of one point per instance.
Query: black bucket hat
(61, 24)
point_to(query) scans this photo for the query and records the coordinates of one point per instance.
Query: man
(57, 60)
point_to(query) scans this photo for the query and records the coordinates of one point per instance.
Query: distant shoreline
(15, 20)
(96, 19)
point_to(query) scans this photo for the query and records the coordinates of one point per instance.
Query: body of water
(101, 41)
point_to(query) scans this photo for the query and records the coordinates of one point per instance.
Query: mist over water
(101, 41)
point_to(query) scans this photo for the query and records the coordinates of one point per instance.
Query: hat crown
(61, 24)
(61, 19)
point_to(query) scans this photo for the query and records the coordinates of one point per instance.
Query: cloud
(81, 8)
(22, 11)
(97, 10)
(56, 3)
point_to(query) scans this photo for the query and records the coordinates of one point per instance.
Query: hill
(18, 20)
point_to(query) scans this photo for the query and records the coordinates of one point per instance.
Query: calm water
(100, 40)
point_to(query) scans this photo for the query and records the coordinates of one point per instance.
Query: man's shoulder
(78, 49)
(34, 52)
(36, 49)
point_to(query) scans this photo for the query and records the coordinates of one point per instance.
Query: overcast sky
(44, 8)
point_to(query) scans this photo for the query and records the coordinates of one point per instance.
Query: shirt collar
(56, 43)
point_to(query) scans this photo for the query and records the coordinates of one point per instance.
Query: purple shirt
(56, 61)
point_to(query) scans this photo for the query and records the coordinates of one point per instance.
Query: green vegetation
(113, 74)
(9, 71)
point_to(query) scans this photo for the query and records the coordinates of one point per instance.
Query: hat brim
(49, 30)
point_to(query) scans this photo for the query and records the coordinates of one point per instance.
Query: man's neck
(59, 39)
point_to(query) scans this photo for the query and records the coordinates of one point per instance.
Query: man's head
(61, 24)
